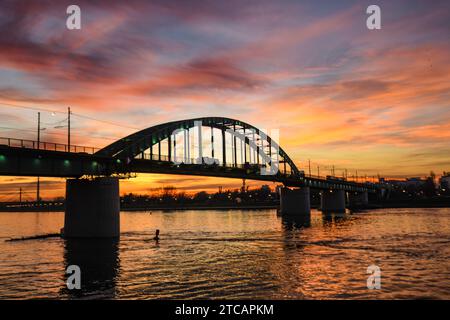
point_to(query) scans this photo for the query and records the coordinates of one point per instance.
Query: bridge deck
(23, 161)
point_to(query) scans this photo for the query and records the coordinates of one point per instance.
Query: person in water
(156, 238)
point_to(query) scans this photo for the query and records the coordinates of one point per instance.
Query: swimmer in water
(156, 238)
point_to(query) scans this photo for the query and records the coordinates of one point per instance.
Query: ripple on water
(235, 255)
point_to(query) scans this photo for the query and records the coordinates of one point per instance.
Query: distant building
(407, 183)
(415, 182)
(444, 181)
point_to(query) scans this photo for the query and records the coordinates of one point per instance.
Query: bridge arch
(253, 140)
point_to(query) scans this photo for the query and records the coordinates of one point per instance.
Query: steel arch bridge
(233, 149)
(240, 145)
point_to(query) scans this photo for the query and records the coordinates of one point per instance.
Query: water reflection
(295, 222)
(234, 255)
(331, 217)
(99, 262)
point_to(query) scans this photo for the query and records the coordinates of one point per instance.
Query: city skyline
(376, 101)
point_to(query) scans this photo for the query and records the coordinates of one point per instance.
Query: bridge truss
(227, 143)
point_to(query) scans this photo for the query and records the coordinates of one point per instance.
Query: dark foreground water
(234, 254)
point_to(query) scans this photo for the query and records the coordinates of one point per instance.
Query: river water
(234, 254)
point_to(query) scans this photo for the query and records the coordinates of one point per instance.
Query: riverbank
(147, 208)
(417, 203)
(442, 202)
(202, 207)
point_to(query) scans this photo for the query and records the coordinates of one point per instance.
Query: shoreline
(243, 207)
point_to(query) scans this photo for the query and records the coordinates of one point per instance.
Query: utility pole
(68, 129)
(39, 130)
(38, 146)
(309, 166)
(20, 196)
(318, 171)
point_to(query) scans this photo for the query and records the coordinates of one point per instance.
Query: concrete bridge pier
(332, 201)
(92, 208)
(295, 202)
(358, 199)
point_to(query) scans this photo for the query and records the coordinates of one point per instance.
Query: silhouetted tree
(201, 196)
(429, 187)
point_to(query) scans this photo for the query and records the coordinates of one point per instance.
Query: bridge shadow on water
(99, 263)
(334, 217)
(292, 222)
(295, 222)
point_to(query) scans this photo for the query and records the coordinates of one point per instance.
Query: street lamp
(39, 129)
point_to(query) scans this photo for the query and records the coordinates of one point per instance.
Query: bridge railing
(361, 180)
(43, 145)
(195, 161)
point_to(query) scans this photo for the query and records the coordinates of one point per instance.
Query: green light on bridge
(94, 164)
(2, 158)
(66, 163)
(118, 161)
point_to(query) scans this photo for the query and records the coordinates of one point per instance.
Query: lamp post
(39, 130)
(38, 146)
(68, 128)
(38, 184)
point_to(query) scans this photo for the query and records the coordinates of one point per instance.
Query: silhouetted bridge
(211, 146)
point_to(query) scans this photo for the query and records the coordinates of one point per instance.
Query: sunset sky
(376, 101)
